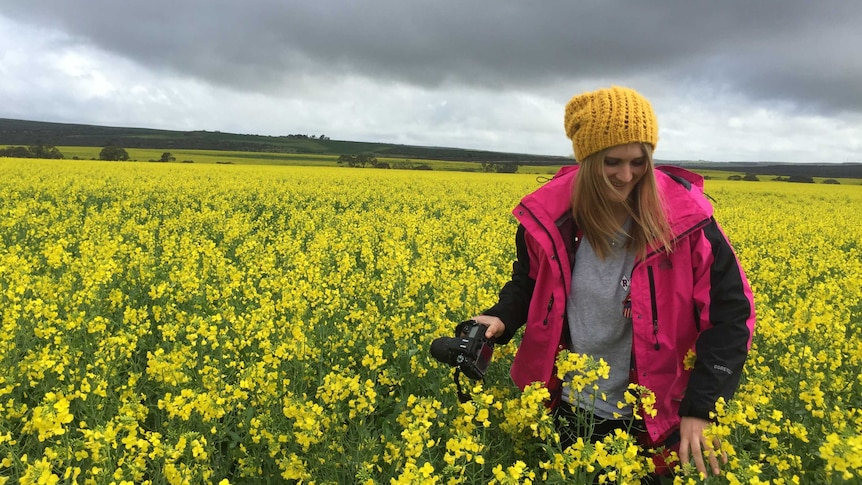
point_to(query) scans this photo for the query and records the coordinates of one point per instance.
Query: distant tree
(803, 179)
(45, 151)
(167, 157)
(734, 177)
(499, 167)
(831, 182)
(360, 160)
(349, 160)
(367, 159)
(751, 177)
(507, 167)
(15, 152)
(55, 153)
(113, 153)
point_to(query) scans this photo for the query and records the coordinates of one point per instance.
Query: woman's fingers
(693, 446)
(494, 324)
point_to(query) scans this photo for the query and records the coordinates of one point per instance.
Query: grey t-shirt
(597, 325)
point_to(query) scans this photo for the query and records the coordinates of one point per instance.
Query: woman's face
(624, 166)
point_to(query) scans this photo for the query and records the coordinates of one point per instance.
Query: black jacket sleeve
(722, 349)
(514, 298)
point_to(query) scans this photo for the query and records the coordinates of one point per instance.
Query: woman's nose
(624, 174)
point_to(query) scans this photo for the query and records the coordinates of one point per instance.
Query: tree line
(32, 151)
(802, 179)
(363, 160)
(110, 153)
(119, 154)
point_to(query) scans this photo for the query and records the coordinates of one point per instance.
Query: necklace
(620, 237)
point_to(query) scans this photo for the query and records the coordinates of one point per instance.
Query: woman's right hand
(496, 327)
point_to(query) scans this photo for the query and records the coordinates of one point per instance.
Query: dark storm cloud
(799, 52)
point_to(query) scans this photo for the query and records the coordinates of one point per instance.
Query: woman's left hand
(693, 444)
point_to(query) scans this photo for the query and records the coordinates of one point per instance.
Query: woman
(624, 262)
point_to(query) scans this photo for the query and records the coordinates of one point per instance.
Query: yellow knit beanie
(609, 117)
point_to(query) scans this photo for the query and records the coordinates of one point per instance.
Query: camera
(469, 350)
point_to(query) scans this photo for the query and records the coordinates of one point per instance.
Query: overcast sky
(771, 80)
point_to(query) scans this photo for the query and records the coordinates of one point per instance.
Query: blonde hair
(594, 214)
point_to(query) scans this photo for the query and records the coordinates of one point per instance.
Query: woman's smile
(624, 166)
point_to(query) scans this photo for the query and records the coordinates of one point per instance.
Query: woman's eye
(611, 162)
(640, 162)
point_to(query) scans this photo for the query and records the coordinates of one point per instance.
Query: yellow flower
(50, 418)
(39, 473)
(689, 360)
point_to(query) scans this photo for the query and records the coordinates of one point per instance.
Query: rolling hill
(22, 132)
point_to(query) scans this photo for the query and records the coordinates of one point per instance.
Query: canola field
(180, 324)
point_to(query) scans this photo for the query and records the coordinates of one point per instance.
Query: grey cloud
(793, 50)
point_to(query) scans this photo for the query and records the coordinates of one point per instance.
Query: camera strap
(462, 396)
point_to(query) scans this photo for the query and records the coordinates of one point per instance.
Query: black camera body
(469, 350)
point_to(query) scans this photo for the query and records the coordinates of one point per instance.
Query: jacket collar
(680, 189)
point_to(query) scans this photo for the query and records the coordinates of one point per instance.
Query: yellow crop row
(180, 323)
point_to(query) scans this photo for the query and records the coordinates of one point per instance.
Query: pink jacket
(695, 298)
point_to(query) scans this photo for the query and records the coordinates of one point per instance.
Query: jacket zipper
(696, 227)
(653, 300)
(555, 257)
(654, 305)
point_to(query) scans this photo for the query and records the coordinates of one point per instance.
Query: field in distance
(329, 160)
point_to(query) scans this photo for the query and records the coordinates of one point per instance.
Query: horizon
(329, 138)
